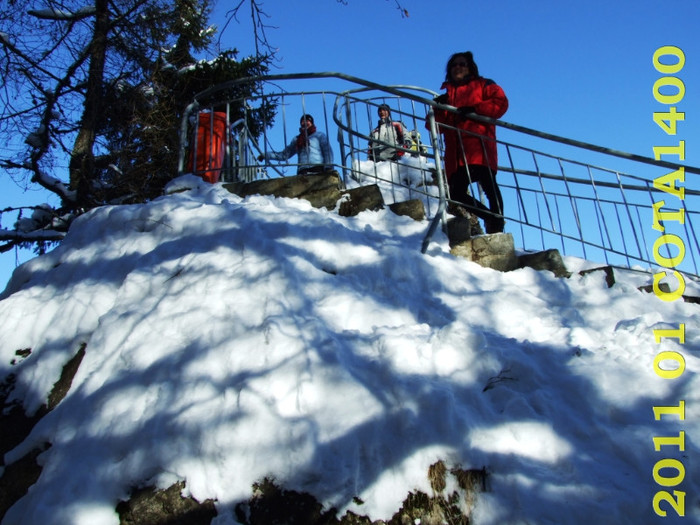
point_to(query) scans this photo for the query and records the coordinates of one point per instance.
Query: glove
(441, 99)
(465, 110)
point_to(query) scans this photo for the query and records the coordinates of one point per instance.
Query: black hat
(307, 117)
(384, 106)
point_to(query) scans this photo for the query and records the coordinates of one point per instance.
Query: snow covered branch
(45, 224)
(89, 108)
(16, 237)
(59, 14)
(54, 185)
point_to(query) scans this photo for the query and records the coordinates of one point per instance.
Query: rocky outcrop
(16, 425)
(149, 506)
(321, 190)
(324, 190)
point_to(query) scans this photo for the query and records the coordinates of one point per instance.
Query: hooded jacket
(478, 145)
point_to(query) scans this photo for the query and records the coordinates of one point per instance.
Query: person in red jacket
(470, 146)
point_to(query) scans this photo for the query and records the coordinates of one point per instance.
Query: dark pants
(309, 170)
(459, 191)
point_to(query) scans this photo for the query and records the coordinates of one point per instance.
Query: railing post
(442, 205)
(183, 136)
(348, 116)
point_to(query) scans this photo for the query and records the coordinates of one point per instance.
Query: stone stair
(324, 190)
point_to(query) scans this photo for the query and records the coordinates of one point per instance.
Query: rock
(15, 423)
(321, 190)
(149, 506)
(361, 199)
(609, 274)
(547, 260)
(494, 251)
(665, 288)
(412, 208)
(18, 477)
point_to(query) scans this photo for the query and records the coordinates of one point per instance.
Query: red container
(211, 146)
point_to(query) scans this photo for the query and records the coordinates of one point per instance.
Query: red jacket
(488, 99)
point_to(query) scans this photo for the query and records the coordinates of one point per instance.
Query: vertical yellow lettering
(667, 183)
(670, 150)
(664, 240)
(670, 441)
(660, 216)
(669, 296)
(673, 373)
(670, 333)
(669, 463)
(670, 411)
(669, 69)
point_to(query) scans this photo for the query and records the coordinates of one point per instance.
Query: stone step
(323, 190)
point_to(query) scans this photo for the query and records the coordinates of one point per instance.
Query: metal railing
(556, 191)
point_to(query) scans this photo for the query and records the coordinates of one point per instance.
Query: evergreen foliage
(96, 92)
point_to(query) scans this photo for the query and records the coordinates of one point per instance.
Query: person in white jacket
(312, 147)
(388, 137)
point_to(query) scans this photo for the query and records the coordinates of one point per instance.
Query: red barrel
(211, 146)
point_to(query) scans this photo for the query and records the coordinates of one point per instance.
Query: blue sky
(583, 71)
(580, 70)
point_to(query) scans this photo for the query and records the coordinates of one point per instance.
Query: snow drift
(228, 340)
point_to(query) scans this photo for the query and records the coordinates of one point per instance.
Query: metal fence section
(585, 200)
(600, 214)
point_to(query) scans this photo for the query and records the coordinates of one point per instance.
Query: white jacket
(385, 138)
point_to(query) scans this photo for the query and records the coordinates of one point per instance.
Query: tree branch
(260, 28)
(59, 14)
(16, 237)
(404, 11)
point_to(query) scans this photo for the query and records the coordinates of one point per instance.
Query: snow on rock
(230, 339)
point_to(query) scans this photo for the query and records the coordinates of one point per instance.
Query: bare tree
(89, 93)
(261, 20)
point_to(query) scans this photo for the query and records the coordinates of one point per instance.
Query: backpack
(415, 145)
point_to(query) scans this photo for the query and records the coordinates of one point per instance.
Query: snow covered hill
(228, 340)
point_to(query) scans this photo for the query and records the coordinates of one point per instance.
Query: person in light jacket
(470, 146)
(311, 146)
(388, 137)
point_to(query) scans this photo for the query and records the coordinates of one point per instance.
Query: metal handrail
(400, 91)
(619, 215)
